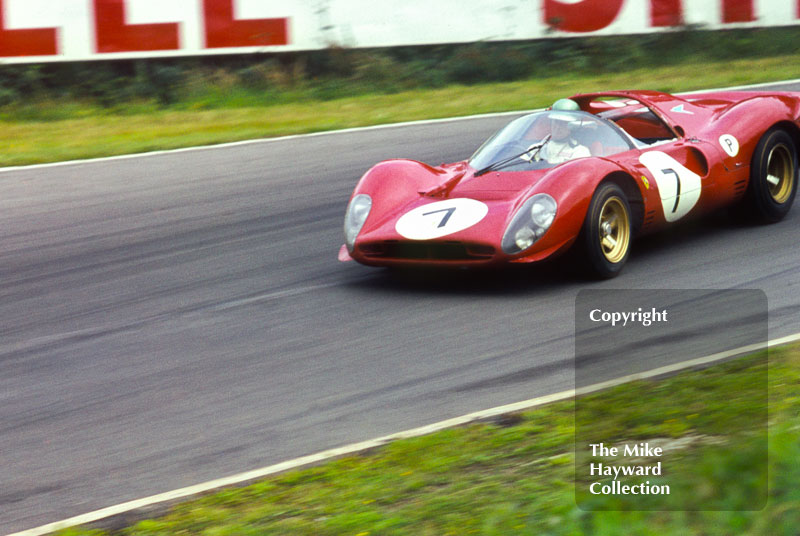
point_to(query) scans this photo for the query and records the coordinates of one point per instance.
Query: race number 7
(448, 212)
(440, 218)
(678, 186)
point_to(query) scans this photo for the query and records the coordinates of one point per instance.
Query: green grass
(55, 130)
(518, 477)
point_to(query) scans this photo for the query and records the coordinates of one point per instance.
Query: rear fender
(746, 122)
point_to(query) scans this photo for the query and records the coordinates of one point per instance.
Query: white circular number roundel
(729, 144)
(678, 186)
(440, 218)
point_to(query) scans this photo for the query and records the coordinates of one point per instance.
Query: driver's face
(559, 129)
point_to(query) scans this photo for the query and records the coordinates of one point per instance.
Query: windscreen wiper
(497, 165)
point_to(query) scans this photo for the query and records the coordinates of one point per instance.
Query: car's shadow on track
(516, 280)
(713, 229)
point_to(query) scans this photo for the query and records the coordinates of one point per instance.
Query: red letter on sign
(113, 35)
(666, 13)
(585, 16)
(222, 30)
(33, 42)
(737, 11)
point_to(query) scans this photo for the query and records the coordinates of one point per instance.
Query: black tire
(773, 177)
(605, 240)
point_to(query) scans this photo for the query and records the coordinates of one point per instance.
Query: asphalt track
(175, 318)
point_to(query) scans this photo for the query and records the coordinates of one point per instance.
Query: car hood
(459, 180)
(498, 185)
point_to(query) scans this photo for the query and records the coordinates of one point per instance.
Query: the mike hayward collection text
(615, 487)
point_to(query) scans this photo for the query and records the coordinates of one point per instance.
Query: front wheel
(606, 234)
(773, 177)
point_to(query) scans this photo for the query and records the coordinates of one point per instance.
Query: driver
(561, 146)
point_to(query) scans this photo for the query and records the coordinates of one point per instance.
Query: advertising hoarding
(77, 30)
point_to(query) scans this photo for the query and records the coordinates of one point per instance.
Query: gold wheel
(614, 230)
(780, 173)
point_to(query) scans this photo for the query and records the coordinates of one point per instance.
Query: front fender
(572, 185)
(394, 183)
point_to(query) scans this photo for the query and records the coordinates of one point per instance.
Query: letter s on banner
(222, 30)
(114, 35)
(580, 17)
(28, 42)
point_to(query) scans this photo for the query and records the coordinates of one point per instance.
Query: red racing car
(591, 173)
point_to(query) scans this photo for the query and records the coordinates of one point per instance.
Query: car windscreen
(553, 137)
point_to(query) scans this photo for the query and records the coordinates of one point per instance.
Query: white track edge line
(325, 455)
(334, 132)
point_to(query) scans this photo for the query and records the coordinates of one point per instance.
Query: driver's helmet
(566, 105)
(560, 111)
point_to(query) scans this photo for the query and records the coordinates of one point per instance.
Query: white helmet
(566, 105)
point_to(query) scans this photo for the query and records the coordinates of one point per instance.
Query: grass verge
(88, 130)
(517, 476)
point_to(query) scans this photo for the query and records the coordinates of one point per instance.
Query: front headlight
(354, 218)
(529, 224)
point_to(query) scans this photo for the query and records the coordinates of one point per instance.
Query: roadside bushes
(336, 72)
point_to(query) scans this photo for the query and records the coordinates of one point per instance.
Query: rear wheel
(607, 232)
(773, 177)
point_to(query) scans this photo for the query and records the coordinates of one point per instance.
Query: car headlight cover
(356, 215)
(543, 210)
(529, 224)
